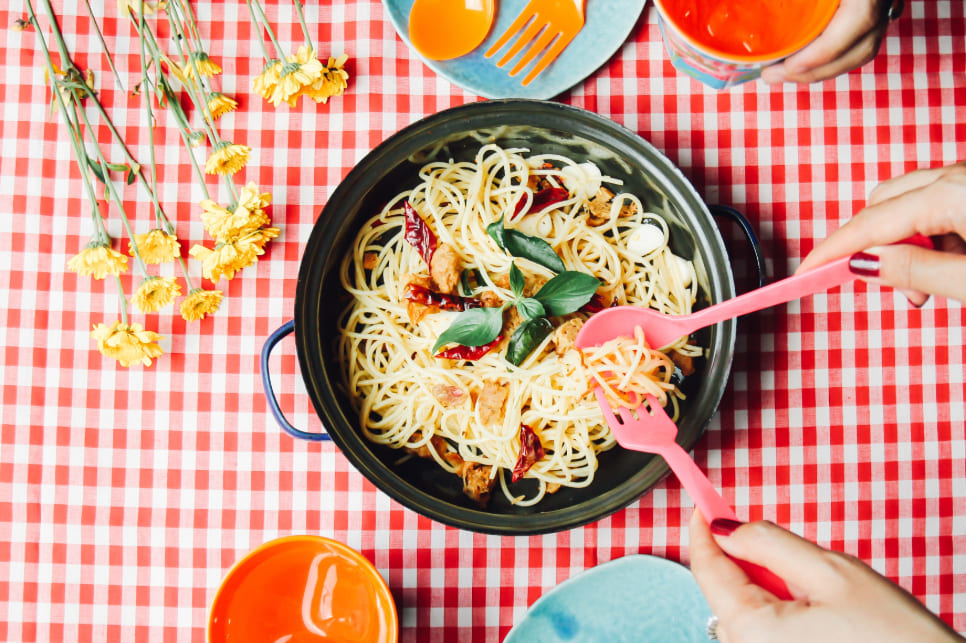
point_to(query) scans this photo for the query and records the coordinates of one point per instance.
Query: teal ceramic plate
(608, 24)
(635, 598)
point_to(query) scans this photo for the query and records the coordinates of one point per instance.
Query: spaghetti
(479, 415)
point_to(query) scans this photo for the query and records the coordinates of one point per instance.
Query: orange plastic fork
(550, 26)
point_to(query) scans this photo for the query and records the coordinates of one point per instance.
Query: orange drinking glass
(727, 42)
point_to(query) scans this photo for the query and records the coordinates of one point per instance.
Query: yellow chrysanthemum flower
(333, 81)
(73, 76)
(227, 158)
(264, 84)
(219, 104)
(129, 344)
(205, 65)
(150, 6)
(156, 246)
(224, 261)
(251, 199)
(199, 303)
(256, 240)
(155, 293)
(98, 260)
(299, 72)
(224, 224)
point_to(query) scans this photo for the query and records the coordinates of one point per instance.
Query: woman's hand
(850, 40)
(929, 202)
(838, 598)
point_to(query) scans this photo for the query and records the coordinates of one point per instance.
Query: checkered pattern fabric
(126, 494)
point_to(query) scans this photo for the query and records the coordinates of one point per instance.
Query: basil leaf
(473, 327)
(496, 232)
(567, 292)
(527, 337)
(533, 248)
(465, 289)
(524, 246)
(530, 308)
(517, 281)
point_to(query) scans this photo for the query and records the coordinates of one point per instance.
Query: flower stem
(258, 27)
(120, 289)
(149, 113)
(109, 184)
(80, 156)
(305, 30)
(100, 37)
(197, 94)
(80, 153)
(174, 106)
(268, 28)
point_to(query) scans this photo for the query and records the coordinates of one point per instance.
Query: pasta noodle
(409, 399)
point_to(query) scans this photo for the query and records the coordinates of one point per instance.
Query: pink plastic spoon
(661, 330)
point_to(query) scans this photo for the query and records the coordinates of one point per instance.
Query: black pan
(543, 127)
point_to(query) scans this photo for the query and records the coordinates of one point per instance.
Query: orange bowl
(299, 589)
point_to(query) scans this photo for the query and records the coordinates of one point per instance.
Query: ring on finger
(711, 628)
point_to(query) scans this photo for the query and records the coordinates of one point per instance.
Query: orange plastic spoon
(444, 29)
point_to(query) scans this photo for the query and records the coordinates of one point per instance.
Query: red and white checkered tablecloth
(126, 494)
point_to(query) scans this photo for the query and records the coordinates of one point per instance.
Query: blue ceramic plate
(607, 25)
(635, 598)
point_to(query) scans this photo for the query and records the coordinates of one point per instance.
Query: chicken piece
(565, 336)
(532, 285)
(683, 362)
(442, 448)
(491, 299)
(599, 207)
(537, 182)
(370, 260)
(445, 268)
(448, 395)
(491, 401)
(478, 482)
(511, 320)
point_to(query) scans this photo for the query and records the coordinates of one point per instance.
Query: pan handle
(286, 329)
(737, 217)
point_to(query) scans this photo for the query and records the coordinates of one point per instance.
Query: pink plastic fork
(654, 432)
(661, 330)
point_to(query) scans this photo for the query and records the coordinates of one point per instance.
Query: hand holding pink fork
(654, 432)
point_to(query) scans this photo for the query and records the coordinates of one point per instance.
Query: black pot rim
(320, 377)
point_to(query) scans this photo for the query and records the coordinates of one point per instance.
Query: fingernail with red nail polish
(723, 526)
(864, 264)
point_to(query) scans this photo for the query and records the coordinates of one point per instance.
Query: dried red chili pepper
(422, 295)
(541, 199)
(531, 451)
(595, 305)
(418, 234)
(468, 352)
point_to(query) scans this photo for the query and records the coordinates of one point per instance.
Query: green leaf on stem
(567, 292)
(517, 281)
(524, 246)
(474, 327)
(530, 308)
(527, 337)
